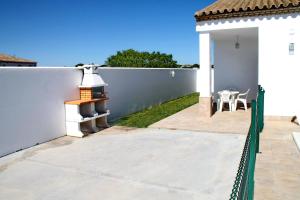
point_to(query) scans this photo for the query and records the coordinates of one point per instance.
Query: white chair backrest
(245, 94)
(225, 96)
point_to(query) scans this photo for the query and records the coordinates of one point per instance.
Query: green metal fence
(243, 187)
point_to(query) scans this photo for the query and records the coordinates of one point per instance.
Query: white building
(251, 42)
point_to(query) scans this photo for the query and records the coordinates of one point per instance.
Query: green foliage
(79, 65)
(191, 66)
(156, 113)
(195, 66)
(132, 58)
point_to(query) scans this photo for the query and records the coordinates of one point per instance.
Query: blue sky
(66, 32)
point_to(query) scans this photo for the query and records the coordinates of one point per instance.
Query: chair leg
(230, 106)
(233, 106)
(221, 106)
(245, 105)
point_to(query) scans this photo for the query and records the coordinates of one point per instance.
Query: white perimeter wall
(236, 68)
(131, 90)
(32, 99)
(32, 105)
(278, 71)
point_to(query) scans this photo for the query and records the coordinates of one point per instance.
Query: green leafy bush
(132, 58)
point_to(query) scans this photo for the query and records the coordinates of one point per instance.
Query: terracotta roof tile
(240, 8)
(8, 58)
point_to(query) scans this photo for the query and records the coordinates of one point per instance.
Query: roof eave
(252, 13)
(10, 61)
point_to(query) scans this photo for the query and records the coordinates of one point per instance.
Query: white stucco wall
(134, 89)
(32, 99)
(278, 71)
(32, 105)
(236, 68)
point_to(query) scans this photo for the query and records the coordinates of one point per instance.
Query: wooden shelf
(80, 102)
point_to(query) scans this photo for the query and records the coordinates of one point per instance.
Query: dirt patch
(32, 151)
(118, 130)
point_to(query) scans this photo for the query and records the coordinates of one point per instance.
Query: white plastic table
(233, 93)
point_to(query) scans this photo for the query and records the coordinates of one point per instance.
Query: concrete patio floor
(221, 122)
(123, 163)
(157, 163)
(277, 174)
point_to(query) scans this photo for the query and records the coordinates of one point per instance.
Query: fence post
(262, 109)
(258, 118)
(252, 151)
(259, 110)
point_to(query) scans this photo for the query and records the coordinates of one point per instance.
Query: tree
(195, 66)
(190, 66)
(79, 65)
(132, 58)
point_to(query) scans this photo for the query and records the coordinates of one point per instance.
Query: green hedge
(156, 113)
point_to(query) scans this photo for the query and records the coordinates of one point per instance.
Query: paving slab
(121, 163)
(277, 173)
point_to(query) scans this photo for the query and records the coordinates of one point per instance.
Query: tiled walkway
(277, 174)
(221, 122)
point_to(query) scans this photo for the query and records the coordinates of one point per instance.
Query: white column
(204, 75)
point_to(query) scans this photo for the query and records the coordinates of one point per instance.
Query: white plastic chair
(242, 98)
(225, 97)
